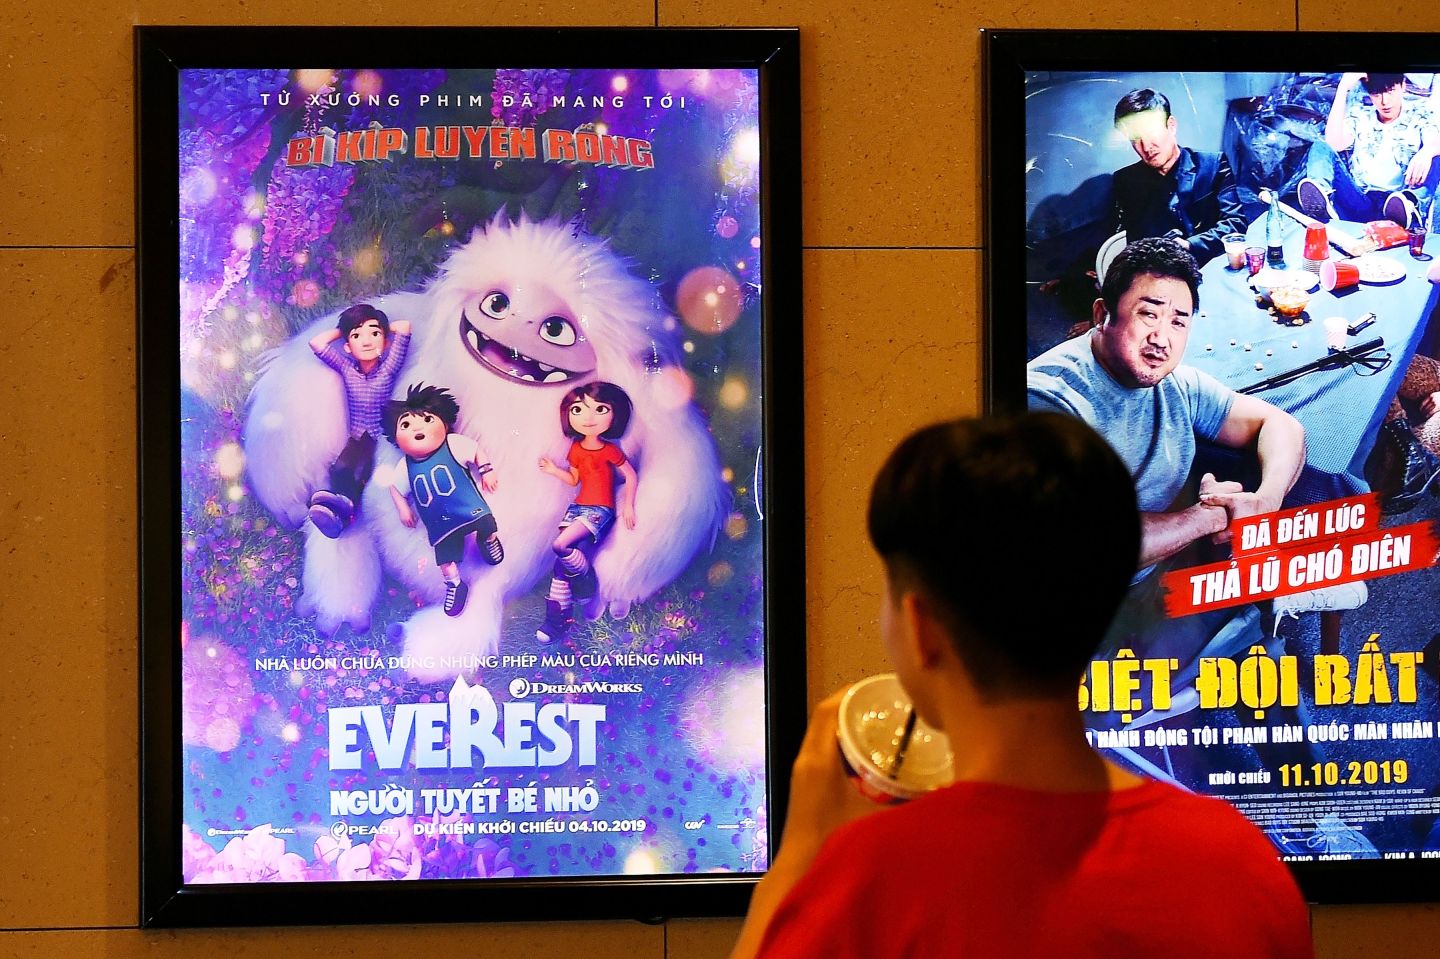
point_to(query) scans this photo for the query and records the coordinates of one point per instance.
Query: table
(1340, 409)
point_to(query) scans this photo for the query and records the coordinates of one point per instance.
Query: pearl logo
(519, 688)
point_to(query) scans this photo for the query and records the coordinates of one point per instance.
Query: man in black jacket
(1173, 191)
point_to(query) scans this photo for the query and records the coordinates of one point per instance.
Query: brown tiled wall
(885, 223)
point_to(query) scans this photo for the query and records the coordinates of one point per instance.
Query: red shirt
(597, 482)
(980, 870)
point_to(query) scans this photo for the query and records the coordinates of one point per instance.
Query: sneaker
(556, 625)
(1322, 600)
(337, 503)
(455, 594)
(1401, 207)
(492, 551)
(1314, 200)
(326, 521)
(1408, 470)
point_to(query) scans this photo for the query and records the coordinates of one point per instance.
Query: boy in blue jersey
(438, 476)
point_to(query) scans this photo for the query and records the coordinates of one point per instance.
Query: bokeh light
(306, 293)
(720, 574)
(726, 722)
(367, 261)
(230, 461)
(312, 81)
(198, 187)
(733, 393)
(673, 388)
(367, 83)
(708, 299)
(641, 862)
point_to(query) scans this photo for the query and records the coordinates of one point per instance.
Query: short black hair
(360, 314)
(1380, 82)
(1157, 255)
(601, 392)
(1022, 535)
(1141, 101)
(422, 399)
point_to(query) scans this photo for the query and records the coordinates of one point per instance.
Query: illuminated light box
(1280, 651)
(472, 564)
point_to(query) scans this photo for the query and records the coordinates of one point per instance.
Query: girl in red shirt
(590, 415)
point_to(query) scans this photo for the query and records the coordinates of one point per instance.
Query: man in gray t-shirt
(1125, 379)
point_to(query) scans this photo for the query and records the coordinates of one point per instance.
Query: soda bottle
(1274, 236)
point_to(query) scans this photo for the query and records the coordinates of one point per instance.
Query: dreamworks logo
(520, 688)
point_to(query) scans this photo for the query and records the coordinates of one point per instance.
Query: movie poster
(472, 568)
(1279, 650)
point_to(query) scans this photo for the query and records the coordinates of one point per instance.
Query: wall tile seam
(30, 929)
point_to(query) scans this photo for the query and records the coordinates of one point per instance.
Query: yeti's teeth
(526, 358)
(556, 377)
(543, 367)
(527, 376)
(474, 336)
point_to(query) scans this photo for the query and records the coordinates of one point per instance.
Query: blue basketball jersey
(445, 495)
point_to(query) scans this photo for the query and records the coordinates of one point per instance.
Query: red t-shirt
(597, 482)
(980, 870)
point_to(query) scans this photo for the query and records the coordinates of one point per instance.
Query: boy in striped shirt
(368, 361)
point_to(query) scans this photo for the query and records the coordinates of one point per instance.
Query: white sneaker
(1322, 600)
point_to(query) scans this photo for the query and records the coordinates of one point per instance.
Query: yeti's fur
(296, 426)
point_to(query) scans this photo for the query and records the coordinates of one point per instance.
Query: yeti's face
(525, 332)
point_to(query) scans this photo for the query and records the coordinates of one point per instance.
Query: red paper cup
(1338, 275)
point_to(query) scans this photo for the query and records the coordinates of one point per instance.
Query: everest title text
(448, 735)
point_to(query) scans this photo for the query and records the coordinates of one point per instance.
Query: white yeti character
(516, 317)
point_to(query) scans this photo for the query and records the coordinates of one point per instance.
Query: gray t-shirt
(1152, 428)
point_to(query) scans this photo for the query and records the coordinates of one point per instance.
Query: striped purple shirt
(367, 393)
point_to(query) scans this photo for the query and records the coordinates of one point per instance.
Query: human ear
(921, 634)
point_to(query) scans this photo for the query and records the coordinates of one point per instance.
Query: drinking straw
(899, 759)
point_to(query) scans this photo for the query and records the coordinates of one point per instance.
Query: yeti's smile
(508, 361)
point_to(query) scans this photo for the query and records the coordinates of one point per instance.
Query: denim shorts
(596, 519)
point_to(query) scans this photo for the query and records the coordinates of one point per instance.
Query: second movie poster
(1231, 277)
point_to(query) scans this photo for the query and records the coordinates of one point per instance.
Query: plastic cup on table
(1235, 250)
(1338, 275)
(1335, 332)
(1416, 237)
(1255, 259)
